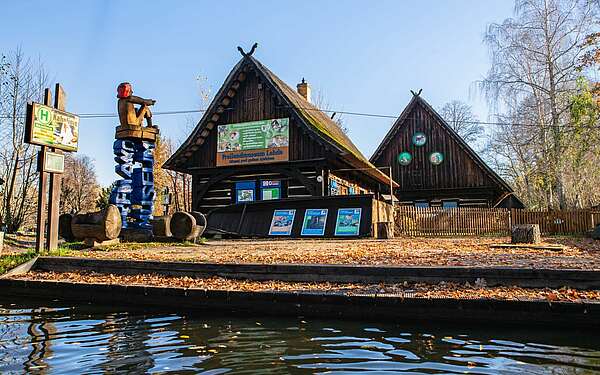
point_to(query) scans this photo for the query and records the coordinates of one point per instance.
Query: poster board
(47, 126)
(348, 222)
(282, 222)
(54, 162)
(314, 222)
(270, 189)
(256, 142)
(245, 191)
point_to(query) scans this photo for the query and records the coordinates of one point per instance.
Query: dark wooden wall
(256, 101)
(457, 176)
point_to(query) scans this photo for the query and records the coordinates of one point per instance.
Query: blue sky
(364, 56)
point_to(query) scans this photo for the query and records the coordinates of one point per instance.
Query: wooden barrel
(161, 226)
(101, 226)
(64, 227)
(183, 226)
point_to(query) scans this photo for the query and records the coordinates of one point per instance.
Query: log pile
(97, 228)
(526, 233)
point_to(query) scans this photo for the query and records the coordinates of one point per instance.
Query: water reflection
(56, 338)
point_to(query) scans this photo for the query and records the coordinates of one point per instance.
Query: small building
(261, 140)
(434, 166)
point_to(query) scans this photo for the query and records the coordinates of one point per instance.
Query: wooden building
(262, 140)
(434, 166)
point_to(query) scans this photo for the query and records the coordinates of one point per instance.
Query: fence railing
(437, 221)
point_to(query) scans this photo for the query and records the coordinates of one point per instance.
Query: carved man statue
(128, 114)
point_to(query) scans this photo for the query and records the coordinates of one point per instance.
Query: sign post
(54, 130)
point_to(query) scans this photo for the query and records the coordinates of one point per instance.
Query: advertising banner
(270, 189)
(256, 142)
(314, 222)
(348, 222)
(282, 222)
(47, 126)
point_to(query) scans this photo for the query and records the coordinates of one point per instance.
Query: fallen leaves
(579, 253)
(405, 289)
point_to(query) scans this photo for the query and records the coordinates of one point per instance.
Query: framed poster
(47, 126)
(348, 222)
(256, 142)
(314, 222)
(245, 191)
(282, 222)
(270, 189)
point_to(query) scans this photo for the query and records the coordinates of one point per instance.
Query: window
(449, 204)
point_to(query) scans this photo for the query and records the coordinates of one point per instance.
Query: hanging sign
(282, 222)
(436, 158)
(47, 126)
(348, 222)
(314, 222)
(255, 142)
(419, 139)
(404, 158)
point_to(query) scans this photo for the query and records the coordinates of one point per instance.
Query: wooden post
(42, 189)
(55, 182)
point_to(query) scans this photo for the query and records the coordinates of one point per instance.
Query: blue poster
(314, 222)
(282, 222)
(348, 222)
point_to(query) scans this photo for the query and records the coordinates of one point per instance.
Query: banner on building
(256, 142)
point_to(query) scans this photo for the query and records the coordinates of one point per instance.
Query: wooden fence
(437, 221)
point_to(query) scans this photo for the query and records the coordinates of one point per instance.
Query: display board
(47, 126)
(282, 222)
(348, 222)
(256, 142)
(245, 191)
(54, 162)
(270, 189)
(314, 222)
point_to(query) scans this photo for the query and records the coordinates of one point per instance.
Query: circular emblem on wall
(419, 139)
(436, 158)
(404, 158)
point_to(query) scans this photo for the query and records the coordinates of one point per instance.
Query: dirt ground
(579, 253)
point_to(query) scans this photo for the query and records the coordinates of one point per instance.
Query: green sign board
(348, 222)
(255, 142)
(47, 126)
(404, 158)
(436, 158)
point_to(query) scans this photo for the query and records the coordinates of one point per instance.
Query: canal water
(59, 338)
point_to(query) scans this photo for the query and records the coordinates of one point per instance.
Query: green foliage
(8, 262)
(103, 197)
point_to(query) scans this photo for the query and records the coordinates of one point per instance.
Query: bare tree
(79, 188)
(21, 80)
(320, 101)
(460, 117)
(533, 74)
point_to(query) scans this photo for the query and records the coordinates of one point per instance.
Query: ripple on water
(87, 339)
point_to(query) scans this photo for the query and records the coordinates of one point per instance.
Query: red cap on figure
(124, 90)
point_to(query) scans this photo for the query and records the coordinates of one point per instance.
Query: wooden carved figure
(128, 114)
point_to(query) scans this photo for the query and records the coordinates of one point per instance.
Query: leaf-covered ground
(416, 290)
(579, 253)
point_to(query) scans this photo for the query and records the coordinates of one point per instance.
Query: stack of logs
(104, 227)
(184, 226)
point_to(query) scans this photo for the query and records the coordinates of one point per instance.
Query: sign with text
(314, 222)
(256, 142)
(54, 162)
(348, 222)
(282, 222)
(47, 126)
